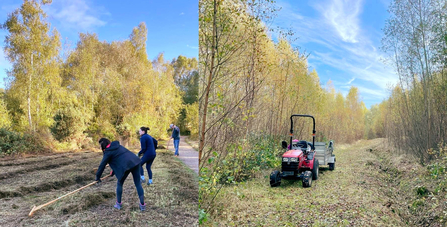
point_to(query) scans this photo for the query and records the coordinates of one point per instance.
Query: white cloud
(365, 93)
(338, 41)
(343, 15)
(78, 14)
(377, 73)
(349, 82)
(375, 93)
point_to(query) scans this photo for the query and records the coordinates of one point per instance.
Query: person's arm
(101, 167)
(155, 143)
(175, 132)
(143, 146)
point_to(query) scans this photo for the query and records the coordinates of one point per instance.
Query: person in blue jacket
(176, 136)
(122, 162)
(148, 146)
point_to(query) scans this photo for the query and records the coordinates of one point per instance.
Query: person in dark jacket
(122, 162)
(148, 152)
(176, 137)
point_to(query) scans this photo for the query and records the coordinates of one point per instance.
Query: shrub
(241, 162)
(13, 143)
(67, 122)
(244, 159)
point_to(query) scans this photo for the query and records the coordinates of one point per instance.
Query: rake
(167, 147)
(52, 201)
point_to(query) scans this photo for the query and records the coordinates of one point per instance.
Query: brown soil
(26, 182)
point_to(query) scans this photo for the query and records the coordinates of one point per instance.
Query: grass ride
(302, 159)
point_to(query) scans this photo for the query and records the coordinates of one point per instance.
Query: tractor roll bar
(291, 127)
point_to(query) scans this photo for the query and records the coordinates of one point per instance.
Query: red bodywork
(303, 164)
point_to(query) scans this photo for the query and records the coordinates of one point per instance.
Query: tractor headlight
(293, 160)
(285, 159)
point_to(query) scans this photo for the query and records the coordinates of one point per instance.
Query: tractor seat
(302, 144)
(311, 145)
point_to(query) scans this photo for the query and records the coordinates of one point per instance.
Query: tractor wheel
(275, 179)
(307, 179)
(331, 166)
(315, 170)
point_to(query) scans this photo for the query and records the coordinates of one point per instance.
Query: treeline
(414, 117)
(250, 86)
(97, 89)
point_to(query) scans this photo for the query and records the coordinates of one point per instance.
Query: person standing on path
(122, 162)
(176, 136)
(148, 153)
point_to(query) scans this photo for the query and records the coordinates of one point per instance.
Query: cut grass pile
(171, 201)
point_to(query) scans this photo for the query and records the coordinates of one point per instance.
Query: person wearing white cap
(176, 136)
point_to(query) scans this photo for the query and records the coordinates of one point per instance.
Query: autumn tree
(249, 86)
(186, 77)
(415, 41)
(5, 120)
(34, 81)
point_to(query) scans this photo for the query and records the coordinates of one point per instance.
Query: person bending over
(148, 152)
(122, 162)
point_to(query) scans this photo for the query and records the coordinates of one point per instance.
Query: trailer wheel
(315, 170)
(275, 179)
(307, 179)
(331, 166)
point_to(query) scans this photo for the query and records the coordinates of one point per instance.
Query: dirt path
(351, 195)
(171, 201)
(187, 154)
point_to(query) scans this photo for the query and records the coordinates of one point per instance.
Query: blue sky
(172, 25)
(343, 38)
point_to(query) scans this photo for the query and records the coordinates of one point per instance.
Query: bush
(62, 127)
(244, 159)
(13, 143)
(67, 122)
(241, 162)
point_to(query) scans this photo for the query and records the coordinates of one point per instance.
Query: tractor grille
(293, 166)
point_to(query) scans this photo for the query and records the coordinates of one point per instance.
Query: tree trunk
(208, 86)
(29, 95)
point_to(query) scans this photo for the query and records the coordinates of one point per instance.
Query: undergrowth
(239, 163)
(14, 143)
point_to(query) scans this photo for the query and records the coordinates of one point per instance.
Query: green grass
(346, 196)
(372, 185)
(193, 143)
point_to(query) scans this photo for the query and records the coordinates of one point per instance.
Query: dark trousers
(148, 160)
(136, 180)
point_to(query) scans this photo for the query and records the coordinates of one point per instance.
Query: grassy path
(351, 195)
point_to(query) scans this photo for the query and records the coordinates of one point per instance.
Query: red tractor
(302, 160)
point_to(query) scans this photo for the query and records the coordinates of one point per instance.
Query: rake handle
(167, 147)
(70, 193)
